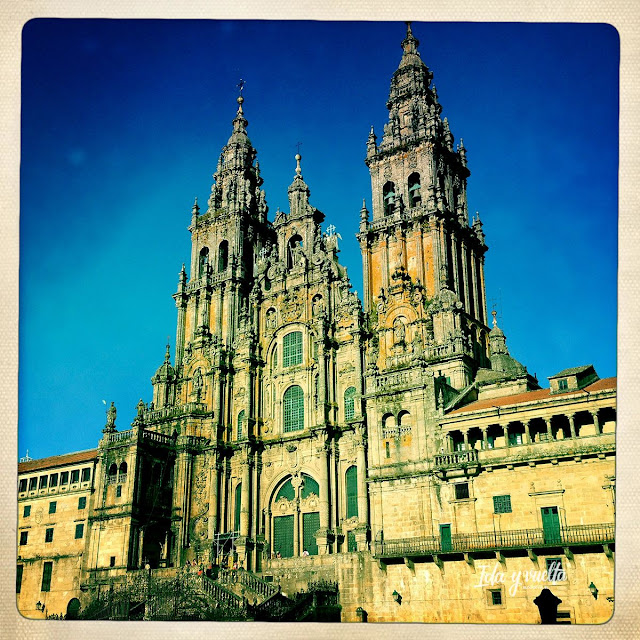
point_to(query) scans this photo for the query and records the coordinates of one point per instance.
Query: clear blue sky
(122, 125)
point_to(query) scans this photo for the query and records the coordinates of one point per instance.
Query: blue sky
(122, 126)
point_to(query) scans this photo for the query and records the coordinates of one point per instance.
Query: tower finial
(167, 355)
(494, 313)
(410, 43)
(298, 167)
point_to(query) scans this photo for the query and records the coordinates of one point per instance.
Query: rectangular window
(292, 349)
(33, 484)
(515, 438)
(555, 572)
(112, 561)
(462, 490)
(53, 480)
(563, 385)
(20, 568)
(118, 491)
(48, 535)
(46, 576)
(52, 507)
(82, 502)
(43, 482)
(387, 450)
(23, 485)
(24, 537)
(502, 504)
(27, 511)
(75, 476)
(86, 474)
(495, 596)
(64, 477)
(79, 530)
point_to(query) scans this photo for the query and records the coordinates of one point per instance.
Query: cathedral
(391, 446)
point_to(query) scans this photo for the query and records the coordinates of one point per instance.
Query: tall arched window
(292, 349)
(293, 409)
(241, 425)
(351, 481)
(389, 197)
(236, 519)
(113, 472)
(122, 472)
(223, 256)
(415, 196)
(349, 403)
(203, 261)
(309, 486)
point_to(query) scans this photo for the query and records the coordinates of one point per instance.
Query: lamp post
(147, 604)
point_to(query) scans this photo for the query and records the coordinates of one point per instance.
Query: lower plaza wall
(458, 592)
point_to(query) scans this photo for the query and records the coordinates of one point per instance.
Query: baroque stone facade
(391, 445)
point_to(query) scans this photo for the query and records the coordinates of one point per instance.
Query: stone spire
(299, 193)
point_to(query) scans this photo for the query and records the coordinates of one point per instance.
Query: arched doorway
(73, 609)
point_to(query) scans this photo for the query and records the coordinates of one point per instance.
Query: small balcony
(573, 536)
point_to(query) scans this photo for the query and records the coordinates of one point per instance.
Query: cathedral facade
(391, 445)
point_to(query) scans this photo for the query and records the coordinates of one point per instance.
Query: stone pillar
(437, 260)
(474, 283)
(218, 319)
(506, 435)
(323, 480)
(465, 277)
(483, 292)
(366, 279)
(465, 436)
(182, 494)
(385, 263)
(547, 421)
(572, 424)
(454, 259)
(485, 442)
(527, 430)
(245, 493)
(213, 495)
(361, 465)
(322, 380)
(181, 303)
(596, 422)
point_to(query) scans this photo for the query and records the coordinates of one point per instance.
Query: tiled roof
(572, 372)
(531, 396)
(57, 461)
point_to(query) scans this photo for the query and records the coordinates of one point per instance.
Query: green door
(283, 536)
(310, 524)
(551, 525)
(445, 537)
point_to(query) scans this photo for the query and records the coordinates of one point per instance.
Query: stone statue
(111, 418)
(399, 331)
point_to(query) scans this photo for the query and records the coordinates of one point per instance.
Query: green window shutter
(46, 576)
(19, 577)
(351, 541)
(502, 504)
(293, 409)
(283, 536)
(241, 425)
(286, 491)
(79, 530)
(292, 349)
(236, 522)
(349, 403)
(351, 478)
(310, 486)
(310, 524)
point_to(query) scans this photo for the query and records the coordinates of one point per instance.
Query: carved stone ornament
(291, 309)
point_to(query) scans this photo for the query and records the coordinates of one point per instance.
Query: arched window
(415, 196)
(351, 481)
(293, 409)
(203, 261)
(349, 403)
(286, 491)
(292, 349)
(113, 472)
(241, 425)
(223, 256)
(404, 419)
(389, 197)
(122, 472)
(309, 486)
(294, 248)
(236, 520)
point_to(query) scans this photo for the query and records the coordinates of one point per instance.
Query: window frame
(292, 348)
(47, 572)
(502, 503)
(26, 511)
(350, 403)
(24, 538)
(461, 487)
(79, 529)
(48, 535)
(293, 410)
(53, 507)
(82, 500)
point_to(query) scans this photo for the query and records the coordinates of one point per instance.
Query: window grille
(310, 524)
(286, 491)
(502, 504)
(349, 403)
(292, 349)
(351, 479)
(310, 486)
(462, 490)
(283, 536)
(241, 425)
(293, 409)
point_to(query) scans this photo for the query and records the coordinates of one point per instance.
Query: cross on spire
(240, 85)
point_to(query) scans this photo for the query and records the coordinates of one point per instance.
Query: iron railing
(496, 540)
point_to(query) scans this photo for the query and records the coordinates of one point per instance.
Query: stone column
(245, 492)
(527, 430)
(323, 480)
(483, 292)
(596, 422)
(572, 424)
(385, 265)
(454, 259)
(181, 303)
(485, 442)
(366, 279)
(465, 436)
(474, 282)
(437, 261)
(322, 379)
(506, 435)
(547, 421)
(213, 496)
(219, 301)
(420, 255)
(465, 276)
(361, 465)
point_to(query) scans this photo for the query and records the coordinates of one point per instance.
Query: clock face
(38, 515)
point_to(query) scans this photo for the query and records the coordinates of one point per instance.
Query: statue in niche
(399, 331)
(197, 385)
(317, 306)
(271, 319)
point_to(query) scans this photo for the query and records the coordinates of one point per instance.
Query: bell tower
(422, 259)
